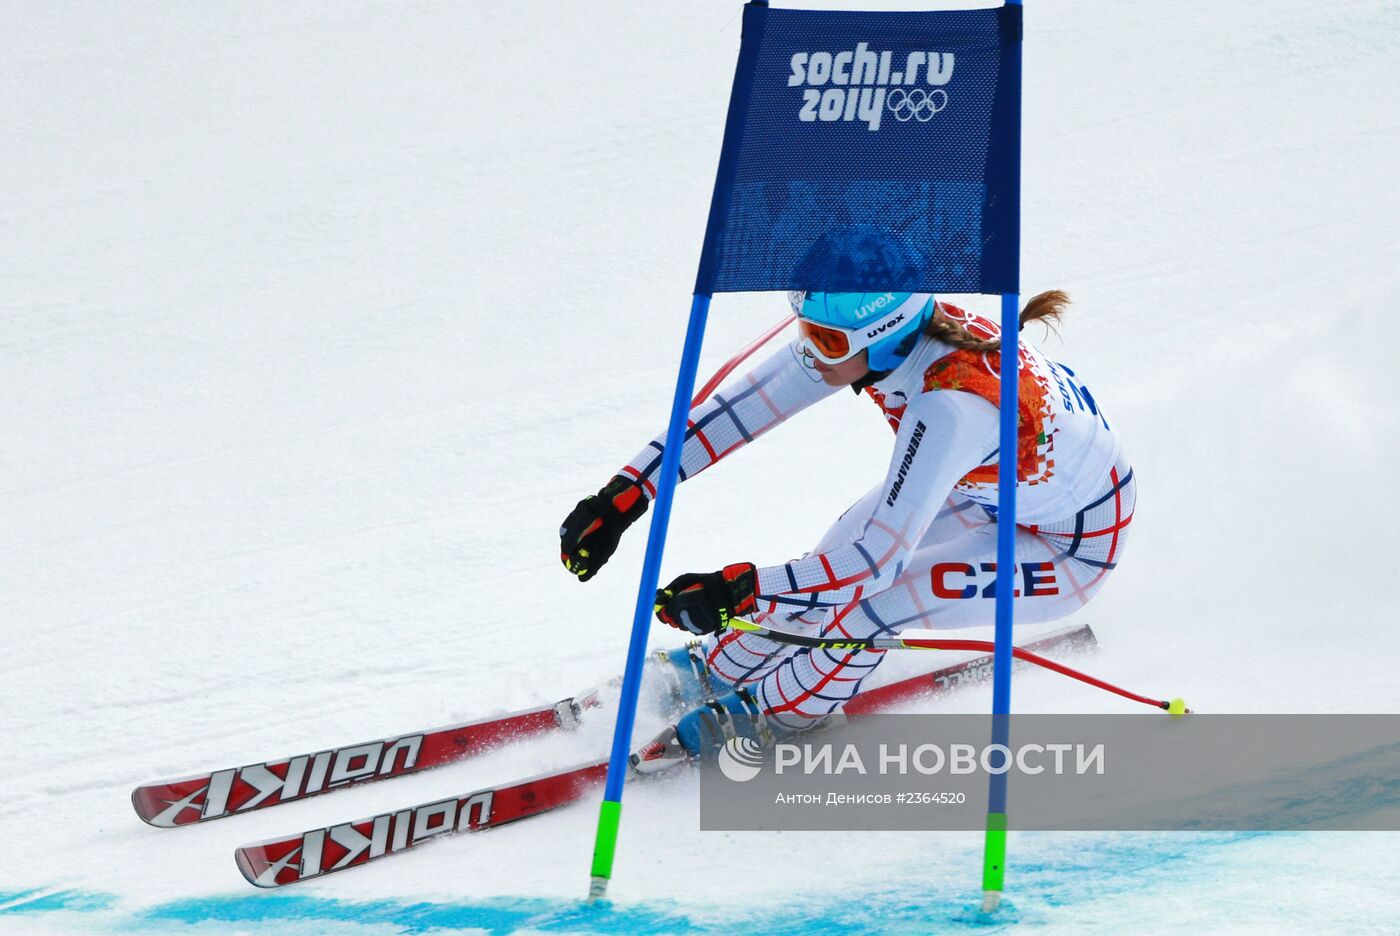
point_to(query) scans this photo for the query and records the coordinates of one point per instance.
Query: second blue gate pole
(994, 854)
(610, 813)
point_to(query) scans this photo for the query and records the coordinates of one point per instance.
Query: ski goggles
(828, 343)
(833, 344)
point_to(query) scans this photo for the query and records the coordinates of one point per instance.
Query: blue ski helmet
(887, 324)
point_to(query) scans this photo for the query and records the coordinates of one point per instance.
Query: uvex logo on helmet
(885, 326)
(874, 305)
(858, 84)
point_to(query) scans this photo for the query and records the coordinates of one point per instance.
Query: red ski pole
(738, 359)
(931, 640)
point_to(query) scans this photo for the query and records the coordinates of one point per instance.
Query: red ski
(335, 848)
(203, 797)
(318, 852)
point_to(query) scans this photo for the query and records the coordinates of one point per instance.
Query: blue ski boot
(703, 731)
(683, 678)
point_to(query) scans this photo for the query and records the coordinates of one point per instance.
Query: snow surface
(316, 318)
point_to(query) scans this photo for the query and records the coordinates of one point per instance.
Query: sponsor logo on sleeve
(904, 464)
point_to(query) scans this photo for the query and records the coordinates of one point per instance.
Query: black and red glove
(592, 529)
(703, 604)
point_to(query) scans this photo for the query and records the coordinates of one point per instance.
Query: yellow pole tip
(1176, 708)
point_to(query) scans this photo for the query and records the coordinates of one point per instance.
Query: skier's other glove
(703, 604)
(591, 531)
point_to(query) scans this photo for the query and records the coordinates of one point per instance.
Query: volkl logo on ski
(354, 843)
(245, 788)
(861, 85)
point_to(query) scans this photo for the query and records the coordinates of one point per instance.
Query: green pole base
(604, 848)
(994, 862)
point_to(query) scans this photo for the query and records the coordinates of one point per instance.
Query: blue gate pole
(610, 813)
(994, 853)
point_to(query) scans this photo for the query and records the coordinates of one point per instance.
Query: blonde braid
(1048, 307)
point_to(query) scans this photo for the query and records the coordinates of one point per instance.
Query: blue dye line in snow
(497, 917)
(1065, 877)
(49, 900)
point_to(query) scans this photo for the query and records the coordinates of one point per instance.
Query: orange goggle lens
(833, 344)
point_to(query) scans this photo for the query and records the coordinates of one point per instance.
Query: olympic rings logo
(917, 104)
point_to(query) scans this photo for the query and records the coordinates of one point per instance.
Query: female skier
(919, 549)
